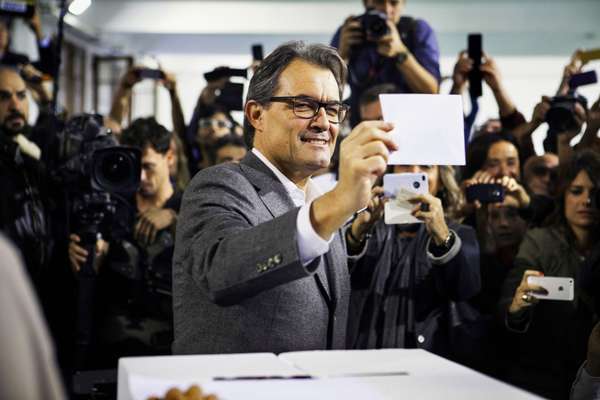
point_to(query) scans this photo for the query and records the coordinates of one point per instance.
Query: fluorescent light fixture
(77, 7)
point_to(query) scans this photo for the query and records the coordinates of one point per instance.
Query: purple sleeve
(335, 41)
(427, 51)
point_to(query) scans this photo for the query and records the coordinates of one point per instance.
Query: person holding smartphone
(406, 276)
(550, 336)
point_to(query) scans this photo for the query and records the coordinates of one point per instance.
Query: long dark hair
(478, 149)
(585, 160)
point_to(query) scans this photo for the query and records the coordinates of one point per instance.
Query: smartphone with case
(558, 288)
(399, 188)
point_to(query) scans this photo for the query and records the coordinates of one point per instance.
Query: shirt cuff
(310, 244)
(450, 254)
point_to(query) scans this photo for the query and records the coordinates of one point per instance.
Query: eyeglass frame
(290, 100)
(210, 122)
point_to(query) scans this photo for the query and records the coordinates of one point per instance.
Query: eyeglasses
(307, 108)
(214, 123)
(542, 171)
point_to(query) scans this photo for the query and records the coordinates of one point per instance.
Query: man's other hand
(151, 222)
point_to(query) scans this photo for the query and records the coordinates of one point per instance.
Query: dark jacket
(550, 338)
(401, 299)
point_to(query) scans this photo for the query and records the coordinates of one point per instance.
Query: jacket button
(421, 339)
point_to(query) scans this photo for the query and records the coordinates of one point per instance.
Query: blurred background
(531, 41)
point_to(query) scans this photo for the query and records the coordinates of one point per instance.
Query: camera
(373, 24)
(91, 159)
(561, 115)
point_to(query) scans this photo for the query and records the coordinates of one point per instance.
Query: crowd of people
(269, 236)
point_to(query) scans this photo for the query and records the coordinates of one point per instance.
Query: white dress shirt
(310, 244)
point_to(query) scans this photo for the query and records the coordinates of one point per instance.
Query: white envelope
(428, 128)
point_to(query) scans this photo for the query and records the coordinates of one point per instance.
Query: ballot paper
(428, 128)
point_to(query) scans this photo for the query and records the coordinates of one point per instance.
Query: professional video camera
(94, 172)
(561, 115)
(93, 169)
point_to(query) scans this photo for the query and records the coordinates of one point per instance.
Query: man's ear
(254, 112)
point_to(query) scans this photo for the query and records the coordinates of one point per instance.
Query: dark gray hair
(265, 81)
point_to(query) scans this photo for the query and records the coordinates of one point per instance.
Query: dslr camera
(373, 24)
(561, 116)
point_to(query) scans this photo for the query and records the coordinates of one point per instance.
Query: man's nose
(320, 121)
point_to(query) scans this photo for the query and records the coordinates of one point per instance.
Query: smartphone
(17, 8)
(589, 55)
(474, 48)
(583, 78)
(148, 73)
(558, 288)
(399, 188)
(257, 52)
(486, 193)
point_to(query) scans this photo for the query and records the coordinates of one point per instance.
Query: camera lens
(416, 185)
(116, 169)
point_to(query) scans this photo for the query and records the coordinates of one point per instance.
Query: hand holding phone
(486, 193)
(558, 288)
(400, 188)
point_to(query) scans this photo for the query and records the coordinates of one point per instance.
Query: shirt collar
(299, 197)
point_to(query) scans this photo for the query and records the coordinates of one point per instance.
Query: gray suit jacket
(238, 283)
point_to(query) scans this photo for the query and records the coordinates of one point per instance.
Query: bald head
(14, 107)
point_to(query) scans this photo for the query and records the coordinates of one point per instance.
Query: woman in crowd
(406, 279)
(550, 336)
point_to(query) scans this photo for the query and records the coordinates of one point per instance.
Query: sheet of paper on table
(428, 128)
(314, 389)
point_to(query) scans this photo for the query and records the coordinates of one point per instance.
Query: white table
(352, 374)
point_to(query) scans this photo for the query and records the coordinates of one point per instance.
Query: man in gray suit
(259, 263)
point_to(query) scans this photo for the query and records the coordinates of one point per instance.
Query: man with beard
(23, 216)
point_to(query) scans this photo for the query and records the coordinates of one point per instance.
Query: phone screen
(474, 42)
(257, 52)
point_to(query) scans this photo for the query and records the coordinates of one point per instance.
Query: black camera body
(92, 159)
(486, 193)
(373, 24)
(561, 115)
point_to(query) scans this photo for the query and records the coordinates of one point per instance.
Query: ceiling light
(77, 7)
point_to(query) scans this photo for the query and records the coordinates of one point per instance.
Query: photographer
(136, 317)
(23, 208)
(550, 336)
(418, 271)
(382, 46)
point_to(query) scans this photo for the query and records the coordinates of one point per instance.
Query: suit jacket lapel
(270, 190)
(274, 196)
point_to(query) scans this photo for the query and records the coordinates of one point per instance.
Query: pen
(259, 377)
